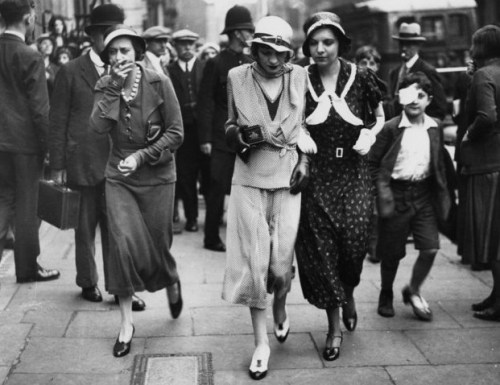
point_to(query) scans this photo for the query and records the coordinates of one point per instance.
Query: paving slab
(47, 323)
(462, 313)
(4, 371)
(148, 323)
(235, 352)
(7, 292)
(75, 356)
(446, 375)
(337, 376)
(458, 346)
(69, 379)
(13, 340)
(373, 348)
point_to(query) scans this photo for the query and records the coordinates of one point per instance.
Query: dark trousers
(221, 173)
(92, 214)
(19, 176)
(191, 164)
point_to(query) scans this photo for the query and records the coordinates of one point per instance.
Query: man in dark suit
(410, 41)
(212, 114)
(78, 155)
(24, 111)
(185, 74)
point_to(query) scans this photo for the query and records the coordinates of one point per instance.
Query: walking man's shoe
(41, 275)
(385, 306)
(92, 294)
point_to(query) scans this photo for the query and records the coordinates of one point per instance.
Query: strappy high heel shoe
(281, 330)
(258, 367)
(331, 353)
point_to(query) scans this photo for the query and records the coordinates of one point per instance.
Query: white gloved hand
(365, 141)
(305, 143)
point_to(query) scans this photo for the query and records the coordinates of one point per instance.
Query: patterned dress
(334, 226)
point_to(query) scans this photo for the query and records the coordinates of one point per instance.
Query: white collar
(15, 33)
(428, 121)
(411, 61)
(190, 63)
(96, 58)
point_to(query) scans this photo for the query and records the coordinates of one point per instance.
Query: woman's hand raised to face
(121, 69)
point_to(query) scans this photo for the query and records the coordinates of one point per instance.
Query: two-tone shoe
(260, 360)
(281, 330)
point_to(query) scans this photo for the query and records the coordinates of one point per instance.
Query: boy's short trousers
(414, 214)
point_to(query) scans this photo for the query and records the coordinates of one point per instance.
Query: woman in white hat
(337, 204)
(139, 110)
(265, 127)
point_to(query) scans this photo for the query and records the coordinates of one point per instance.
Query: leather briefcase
(58, 205)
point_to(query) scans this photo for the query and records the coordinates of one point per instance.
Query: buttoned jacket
(24, 99)
(382, 159)
(82, 152)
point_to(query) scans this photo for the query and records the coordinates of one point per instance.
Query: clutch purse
(154, 130)
(58, 205)
(252, 135)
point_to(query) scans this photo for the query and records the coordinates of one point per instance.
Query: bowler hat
(105, 15)
(185, 34)
(238, 18)
(321, 20)
(120, 30)
(409, 32)
(157, 32)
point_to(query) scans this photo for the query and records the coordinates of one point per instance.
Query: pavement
(50, 335)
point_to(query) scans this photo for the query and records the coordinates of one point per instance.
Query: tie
(187, 67)
(402, 73)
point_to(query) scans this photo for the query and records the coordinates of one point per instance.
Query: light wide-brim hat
(322, 20)
(115, 32)
(274, 32)
(409, 32)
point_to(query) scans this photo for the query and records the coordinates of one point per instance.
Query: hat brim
(89, 28)
(416, 38)
(104, 55)
(276, 47)
(238, 27)
(305, 44)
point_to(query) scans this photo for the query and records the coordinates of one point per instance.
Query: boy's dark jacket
(382, 158)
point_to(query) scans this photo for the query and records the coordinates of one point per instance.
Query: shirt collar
(155, 61)
(96, 59)
(190, 63)
(405, 122)
(411, 61)
(15, 33)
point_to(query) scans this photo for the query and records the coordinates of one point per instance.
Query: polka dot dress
(334, 226)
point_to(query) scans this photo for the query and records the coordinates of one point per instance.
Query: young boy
(407, 164)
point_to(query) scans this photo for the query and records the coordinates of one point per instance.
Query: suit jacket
(24, 99)
(212, 100)
(480, 151)
(438, 106)
(382, 159)
(73, 145)
(176, 73)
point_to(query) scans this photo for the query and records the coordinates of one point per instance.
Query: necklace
(135, 88)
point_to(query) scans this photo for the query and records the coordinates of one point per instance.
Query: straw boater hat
(409, 32)
(105, 15)
(274, 32)
(321, 20)
(116, 31)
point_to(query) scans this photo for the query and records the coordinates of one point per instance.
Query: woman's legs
(334, 335)
(349, 314)
(126, 327)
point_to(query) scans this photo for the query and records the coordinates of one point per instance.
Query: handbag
(58, 205)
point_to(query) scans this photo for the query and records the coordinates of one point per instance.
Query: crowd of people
(322, 160)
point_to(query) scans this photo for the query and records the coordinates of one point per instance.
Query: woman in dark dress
(139, 110)
(480, 159)
(337, 204)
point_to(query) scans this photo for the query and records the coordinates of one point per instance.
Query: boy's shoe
(418, 303)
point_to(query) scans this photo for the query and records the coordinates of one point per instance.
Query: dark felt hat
(237, 18)
(322, 20)
(105, 15)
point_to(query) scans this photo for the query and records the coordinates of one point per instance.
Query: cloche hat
(320, 20)
(105, 15)
(274, 32)
(116, 31)
(238, 17)
(409, 32)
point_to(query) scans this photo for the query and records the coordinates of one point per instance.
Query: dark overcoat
(73, 145)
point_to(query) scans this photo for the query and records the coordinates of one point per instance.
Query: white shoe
(260, 359)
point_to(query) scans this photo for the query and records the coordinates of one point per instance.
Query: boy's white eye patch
(408, 95)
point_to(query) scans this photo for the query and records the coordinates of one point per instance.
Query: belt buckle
(339, 152)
